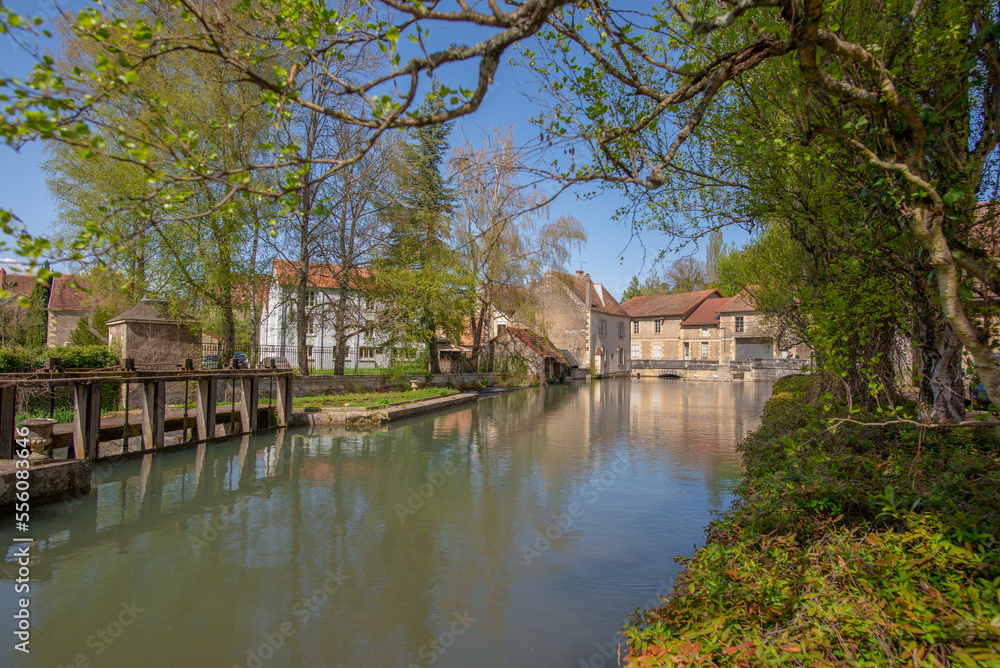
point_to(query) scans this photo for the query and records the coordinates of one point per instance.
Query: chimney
(579, 272)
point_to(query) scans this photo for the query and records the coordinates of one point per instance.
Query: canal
(518, 531)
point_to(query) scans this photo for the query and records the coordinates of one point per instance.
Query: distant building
(701, 326)
(69, 303)
(326, 282)
(582, 317)
(656, 324)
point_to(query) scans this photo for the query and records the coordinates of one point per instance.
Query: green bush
(84, 357)
(847, 545)
(17, 360)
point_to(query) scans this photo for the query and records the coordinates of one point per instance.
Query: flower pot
(39, 439)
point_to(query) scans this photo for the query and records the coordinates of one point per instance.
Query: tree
(632, 290)
(715, 250)
(686, 274)
(919, 111)
(421, 273)
(36, 320)
(203, 262)
(503, 234)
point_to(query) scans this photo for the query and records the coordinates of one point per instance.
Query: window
(367, 353)
(635, 351)
(500, 327)
(621, 357)
(656, 326)
(312, 326)
(687, 351)
(657, 351)
(621, 330)
(704, 349)
(738, 327)
(311, 297)
(635, 327)
(603, 329)
(704, 332)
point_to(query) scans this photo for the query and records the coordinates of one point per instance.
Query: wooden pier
(150, 424)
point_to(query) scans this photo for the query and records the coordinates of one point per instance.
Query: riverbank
(847, 546)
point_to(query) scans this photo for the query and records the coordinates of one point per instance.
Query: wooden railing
(86, 397)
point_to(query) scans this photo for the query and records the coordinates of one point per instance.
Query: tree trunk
(942, 389)
(341, 334)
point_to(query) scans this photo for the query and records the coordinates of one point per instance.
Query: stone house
(701, 337)
(751, 338)
(544, 362)
(582, 317)
(656, 324)
(69, 303)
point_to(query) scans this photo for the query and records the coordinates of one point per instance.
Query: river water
(518, 531)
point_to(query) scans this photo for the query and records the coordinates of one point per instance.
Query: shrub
(847, 545)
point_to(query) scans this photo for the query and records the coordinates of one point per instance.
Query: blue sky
(612, 254)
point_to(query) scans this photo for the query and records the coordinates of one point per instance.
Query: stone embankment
(362, 416)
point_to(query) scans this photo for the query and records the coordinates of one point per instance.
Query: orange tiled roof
(707, 312)
(678, 304)
(320, 275)
(19, 284)
(745, 301)
(68, 294)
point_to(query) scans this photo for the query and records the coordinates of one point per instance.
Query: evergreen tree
(421, 274)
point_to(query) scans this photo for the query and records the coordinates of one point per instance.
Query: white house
(366, 346)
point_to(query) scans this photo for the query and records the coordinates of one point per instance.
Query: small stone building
(544, 362)
(149, 335)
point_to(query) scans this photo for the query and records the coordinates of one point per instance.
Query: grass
(369, 399)
(847, 546)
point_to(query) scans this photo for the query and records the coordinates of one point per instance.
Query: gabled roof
(600, 299)
(69, 294)
(19, 284)
(320, 275)
(744, 302)
(536, 342)
(679, 304)
(148, 310)
(707, 312)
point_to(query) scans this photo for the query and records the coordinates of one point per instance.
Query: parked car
(279, 363)
(212, 361)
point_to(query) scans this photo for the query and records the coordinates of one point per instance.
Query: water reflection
(517, 531)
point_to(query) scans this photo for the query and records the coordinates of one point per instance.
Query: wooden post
(283, 405)
(206, 408)
(248, 404)
(7, 395)
(86, 418)
(153, 410)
